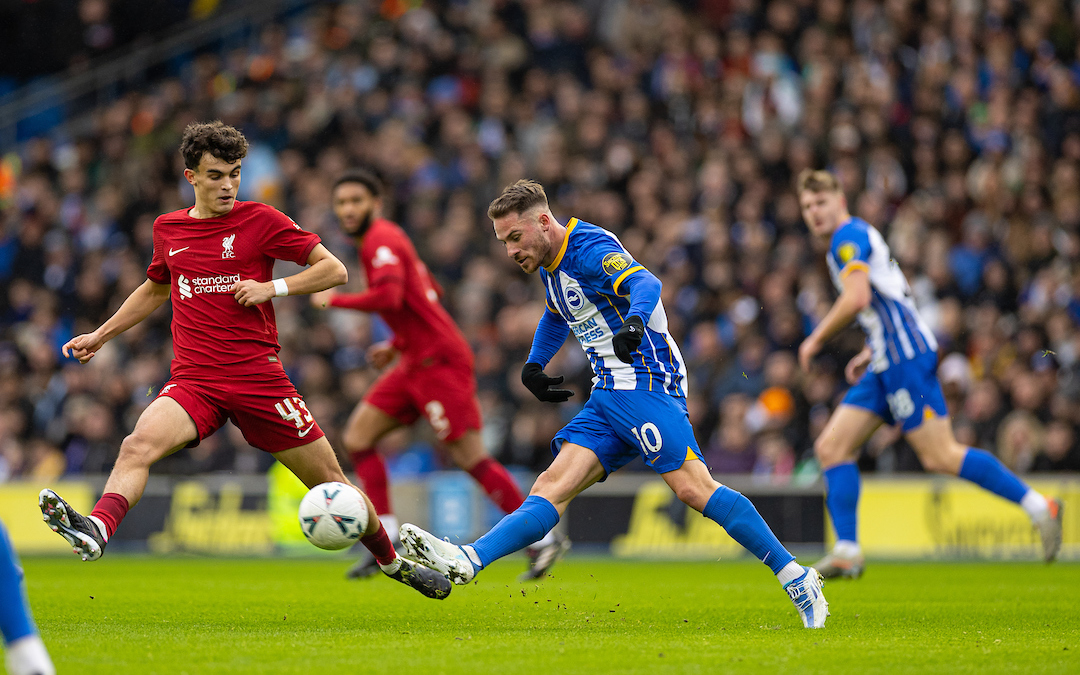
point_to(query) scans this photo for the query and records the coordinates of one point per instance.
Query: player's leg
(657, 426)
(939, 451)
(446, 393)
(695, 487)
(163, 428)
(25, 651)
(316, 463)
(574, 469)
(366, 425)
(467, 452)
(836, 450)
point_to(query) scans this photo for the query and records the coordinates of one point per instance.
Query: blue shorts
(618, 425)
(905, 393)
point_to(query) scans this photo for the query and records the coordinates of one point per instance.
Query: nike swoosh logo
(303, 433)
(172, 252)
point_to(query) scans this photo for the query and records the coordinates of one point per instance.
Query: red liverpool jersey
(202, 258)
(401, 290)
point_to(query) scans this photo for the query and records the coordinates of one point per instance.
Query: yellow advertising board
(652, 532)
(951, 518)
(22, 517)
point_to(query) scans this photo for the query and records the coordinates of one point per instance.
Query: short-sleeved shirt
(202, 258)
(423, 329)
(894, 330)
(584, 286)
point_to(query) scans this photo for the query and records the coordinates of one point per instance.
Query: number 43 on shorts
(293, 409)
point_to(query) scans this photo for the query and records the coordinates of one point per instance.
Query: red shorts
(265, 406)
(444, 392)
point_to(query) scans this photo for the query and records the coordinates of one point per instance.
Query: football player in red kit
(433, 376)
(214, 261)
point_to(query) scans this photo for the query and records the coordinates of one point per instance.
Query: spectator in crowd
(954, 129)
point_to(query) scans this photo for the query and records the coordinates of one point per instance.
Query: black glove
(628, 338)
(533, 377)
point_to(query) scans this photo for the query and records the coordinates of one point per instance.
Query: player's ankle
(391, 567)
(847, 548)
(473, 557)
(1036, 506)
(100, 524)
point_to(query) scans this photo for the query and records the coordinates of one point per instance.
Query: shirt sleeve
(549, 337)
(158, 271)
(285, 240)
(850, 249)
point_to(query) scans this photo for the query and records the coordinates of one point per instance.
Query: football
(333, 515)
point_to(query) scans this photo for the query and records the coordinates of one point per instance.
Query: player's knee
(356, 441)
(548, 486)
(829, 451)
(946, 459)
(138, 450)
(694, 496)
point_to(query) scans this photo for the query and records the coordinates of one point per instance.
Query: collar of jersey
(562, 249)
(841, 226)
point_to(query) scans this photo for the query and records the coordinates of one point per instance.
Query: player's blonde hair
(817, 181)
(518, 198)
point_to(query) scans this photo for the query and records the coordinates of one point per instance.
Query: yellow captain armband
(615, 285)
(854, 266)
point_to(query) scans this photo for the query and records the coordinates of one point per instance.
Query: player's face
(355, 207)
(216, 182)
(822, 211)
(524, 239)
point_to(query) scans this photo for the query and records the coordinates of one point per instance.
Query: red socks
(380, 546)
(371, 471)
(111, 509)
(498, 484)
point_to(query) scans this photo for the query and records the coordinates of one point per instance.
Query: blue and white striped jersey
(894, 330)
(582, 285)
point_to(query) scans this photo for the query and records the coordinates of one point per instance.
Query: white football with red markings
(333, 516)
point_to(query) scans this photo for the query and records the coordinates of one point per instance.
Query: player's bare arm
(139, 305)
(856, 367)
(854, 299)
(324, 271)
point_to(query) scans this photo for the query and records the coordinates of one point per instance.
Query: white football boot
(440, 555)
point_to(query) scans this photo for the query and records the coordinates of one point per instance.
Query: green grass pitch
(204, 615)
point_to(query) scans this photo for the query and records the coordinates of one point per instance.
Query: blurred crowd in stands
(954, 128)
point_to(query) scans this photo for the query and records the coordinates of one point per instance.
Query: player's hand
(533, 377)
(249, 292)
(627, 339)
(856, 367)
(807, 351)
(321, 300)
(381, 354)
(82, 347)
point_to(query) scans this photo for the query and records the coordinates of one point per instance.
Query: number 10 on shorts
(648, 437)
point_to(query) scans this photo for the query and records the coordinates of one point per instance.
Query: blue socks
(527, 525)
(15, 621)
(842, 486)
(737, 515)
(983, 469)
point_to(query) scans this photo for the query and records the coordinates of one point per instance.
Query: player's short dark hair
(518, 198)
(219, 139)
(817, 181)
(362, 176)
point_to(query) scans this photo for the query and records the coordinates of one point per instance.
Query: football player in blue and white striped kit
(25, 652)
(894, 379)
(597, 291)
